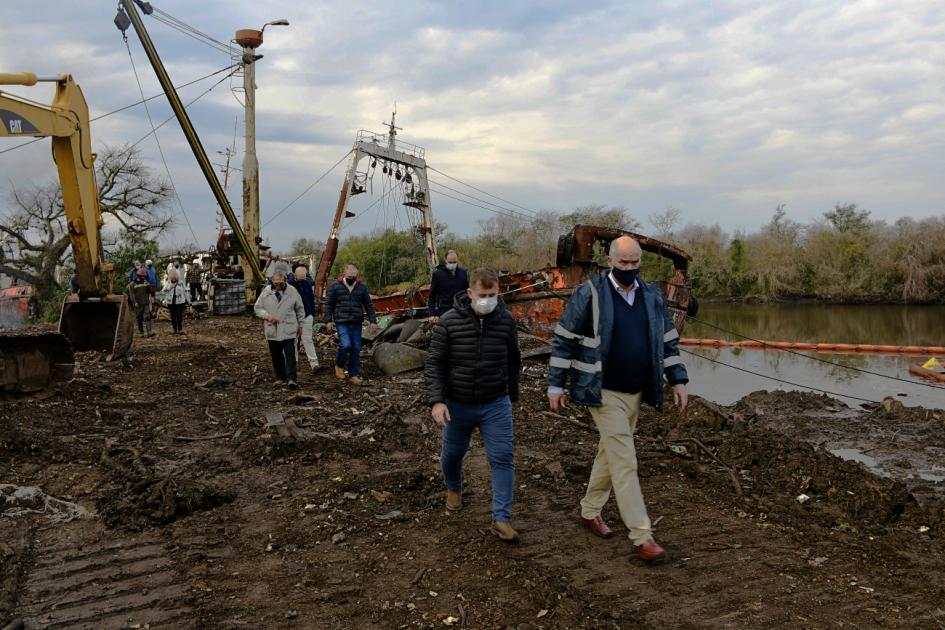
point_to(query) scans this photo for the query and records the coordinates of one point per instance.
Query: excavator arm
(95, 319)
(66, 121)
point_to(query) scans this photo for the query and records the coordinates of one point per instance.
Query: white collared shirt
(628, 295)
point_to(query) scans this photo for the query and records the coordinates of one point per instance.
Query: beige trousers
(616, 464)
(307, 342)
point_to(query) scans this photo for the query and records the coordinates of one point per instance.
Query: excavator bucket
(31, 360)
(104, 324)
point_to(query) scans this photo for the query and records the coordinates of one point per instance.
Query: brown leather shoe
(650, 551)
(503, 529)
(355, 380)
(339, 373)
(598, 526)
(454, 501)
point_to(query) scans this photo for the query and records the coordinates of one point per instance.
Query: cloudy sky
(722, 109)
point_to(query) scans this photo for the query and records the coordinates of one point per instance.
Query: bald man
(616, 341)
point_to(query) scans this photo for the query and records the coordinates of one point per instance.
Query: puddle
(935, 474)
(855, 455)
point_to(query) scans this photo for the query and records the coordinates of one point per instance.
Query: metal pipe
(249, 250)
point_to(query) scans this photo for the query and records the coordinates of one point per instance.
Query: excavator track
(33, 360)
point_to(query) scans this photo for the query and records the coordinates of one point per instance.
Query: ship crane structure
(406, 164)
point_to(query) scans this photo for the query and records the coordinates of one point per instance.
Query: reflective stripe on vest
(671, 361)
(670, 336)
(590, 368)
(587, 342)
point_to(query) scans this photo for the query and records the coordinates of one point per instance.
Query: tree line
(843, 256)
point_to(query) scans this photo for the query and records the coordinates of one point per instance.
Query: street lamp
(250, 40)
(282, 22)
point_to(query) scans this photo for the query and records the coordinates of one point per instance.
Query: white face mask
(451, 266)
(485, 305)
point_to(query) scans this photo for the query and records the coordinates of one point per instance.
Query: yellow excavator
(95, 318)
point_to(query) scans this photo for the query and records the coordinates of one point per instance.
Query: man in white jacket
(281, 306)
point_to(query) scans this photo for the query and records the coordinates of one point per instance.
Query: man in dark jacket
(346, 302)
(306, 289)
(447, 281)
(139, 295)
(616, 342)
(472, 372)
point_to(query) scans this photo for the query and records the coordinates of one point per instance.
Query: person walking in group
(616, 341)
(176, 298)
(194, 278)
(151, 273)
(139, 294)
(306, 288)
(448, 280)
(346, 302)
(133, 274)
(281, 306)
(472, 372)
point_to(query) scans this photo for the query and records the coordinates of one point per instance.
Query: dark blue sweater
(306, 291)
(628, 361)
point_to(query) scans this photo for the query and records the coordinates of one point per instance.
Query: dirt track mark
(113, 584)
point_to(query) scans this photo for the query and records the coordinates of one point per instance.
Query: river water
(895, 325)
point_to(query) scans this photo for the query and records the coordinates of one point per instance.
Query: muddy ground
(205, 518)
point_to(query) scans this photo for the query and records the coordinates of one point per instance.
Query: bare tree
(34, 239)
(665, 222)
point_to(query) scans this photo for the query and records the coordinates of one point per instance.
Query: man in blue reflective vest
(616, 341)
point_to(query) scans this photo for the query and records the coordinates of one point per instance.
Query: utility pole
(250, 40)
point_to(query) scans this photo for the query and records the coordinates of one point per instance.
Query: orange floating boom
(845, 348)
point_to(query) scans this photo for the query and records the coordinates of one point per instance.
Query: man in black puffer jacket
(346, 302)
(472, 372)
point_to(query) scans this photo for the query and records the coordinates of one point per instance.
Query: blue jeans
(494, 420)
(349, 342)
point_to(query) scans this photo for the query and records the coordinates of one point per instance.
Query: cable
(478, 205)
(481, 190)
(190, 31)
(312, 185)
(486, 201)
(188, 104)
(22, 144)
(193, 29)
(160, 94)
(121, 109)
(158, 141)
(364, 212)
(813, 358)
(772, 378)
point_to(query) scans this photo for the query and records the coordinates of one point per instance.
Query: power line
(310, 186)
(188, 104)
(772, 378)
(158, 141)
(193, 29)
(21, 145)
(486, 201)
(121, 109)
(490, 209)
(459, 181)
(190, 31)
(813, 358)
(160, 94)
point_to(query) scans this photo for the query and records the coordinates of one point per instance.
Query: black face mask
(278, 286)
(625, 277)
(350, 279)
